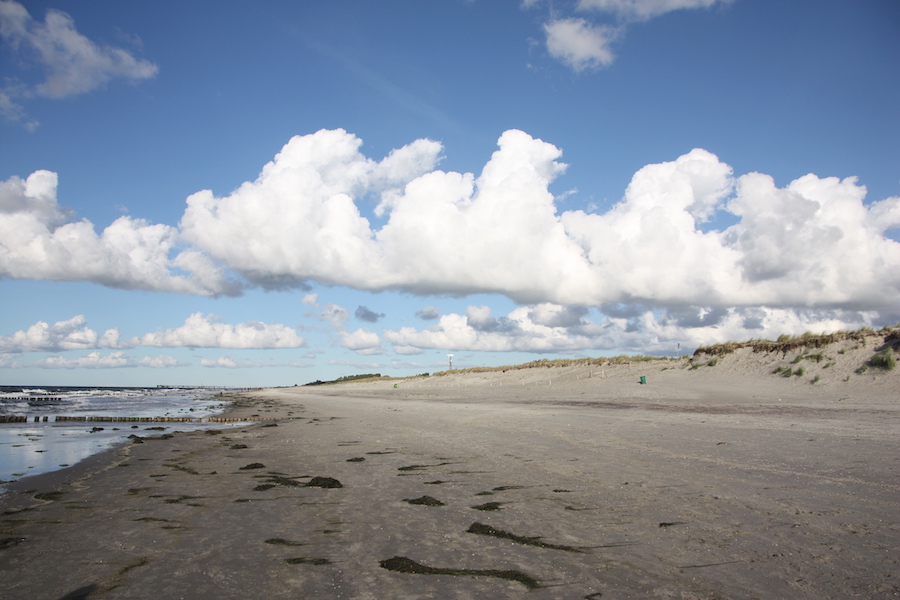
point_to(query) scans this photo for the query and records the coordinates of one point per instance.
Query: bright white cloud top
(492, 180)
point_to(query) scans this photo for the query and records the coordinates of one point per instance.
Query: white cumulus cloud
(362, 341)
(298, 220)
(71, 334)
(500, 233)
(205, 331)
(38, 240)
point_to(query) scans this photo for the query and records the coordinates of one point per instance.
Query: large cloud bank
(812, 243)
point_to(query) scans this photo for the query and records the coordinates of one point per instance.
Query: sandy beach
(716, 482)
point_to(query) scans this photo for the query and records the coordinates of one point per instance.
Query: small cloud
(583, 44)
(362, 341)
(223, 361)
(162, 361)
(643, 10)
(334, 314)
(579, 44)
(429, 313)
(71, 63)
(364, 314)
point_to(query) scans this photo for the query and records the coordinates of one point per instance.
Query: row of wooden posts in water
(62, 418)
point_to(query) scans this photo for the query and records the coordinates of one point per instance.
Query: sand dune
(724, 481)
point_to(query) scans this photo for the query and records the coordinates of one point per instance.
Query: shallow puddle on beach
(33, 448)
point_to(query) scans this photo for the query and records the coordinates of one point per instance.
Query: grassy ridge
(787, 343)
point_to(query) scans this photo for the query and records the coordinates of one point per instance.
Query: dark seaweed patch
(356, 459)
(10, 542)
(324, 482)
(283, 542)
(306, 560)
(402, 564)
(264, 487)
(424, 501)
(481, 529)
(253, 466)
(180, 468)
(182, 498)
(488, 506)
(238, 446)
(419, 467)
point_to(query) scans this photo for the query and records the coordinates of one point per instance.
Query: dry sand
(716, 482)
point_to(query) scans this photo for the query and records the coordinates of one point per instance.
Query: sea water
(31, 447)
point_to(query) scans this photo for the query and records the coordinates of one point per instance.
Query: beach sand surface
(704, 483)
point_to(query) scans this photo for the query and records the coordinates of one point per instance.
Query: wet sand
(535, 484)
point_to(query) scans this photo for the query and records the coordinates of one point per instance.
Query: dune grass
(786, 343)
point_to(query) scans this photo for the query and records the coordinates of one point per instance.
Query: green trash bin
(643, 379)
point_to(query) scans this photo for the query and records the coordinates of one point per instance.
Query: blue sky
(270, 193)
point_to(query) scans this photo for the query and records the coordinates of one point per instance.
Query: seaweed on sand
(481, 529)
(424, 501)
(403, 564)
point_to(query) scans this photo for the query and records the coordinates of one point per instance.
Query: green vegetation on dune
(787, 343)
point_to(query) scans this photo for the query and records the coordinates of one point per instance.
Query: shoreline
(696, 485)
(62, 437)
